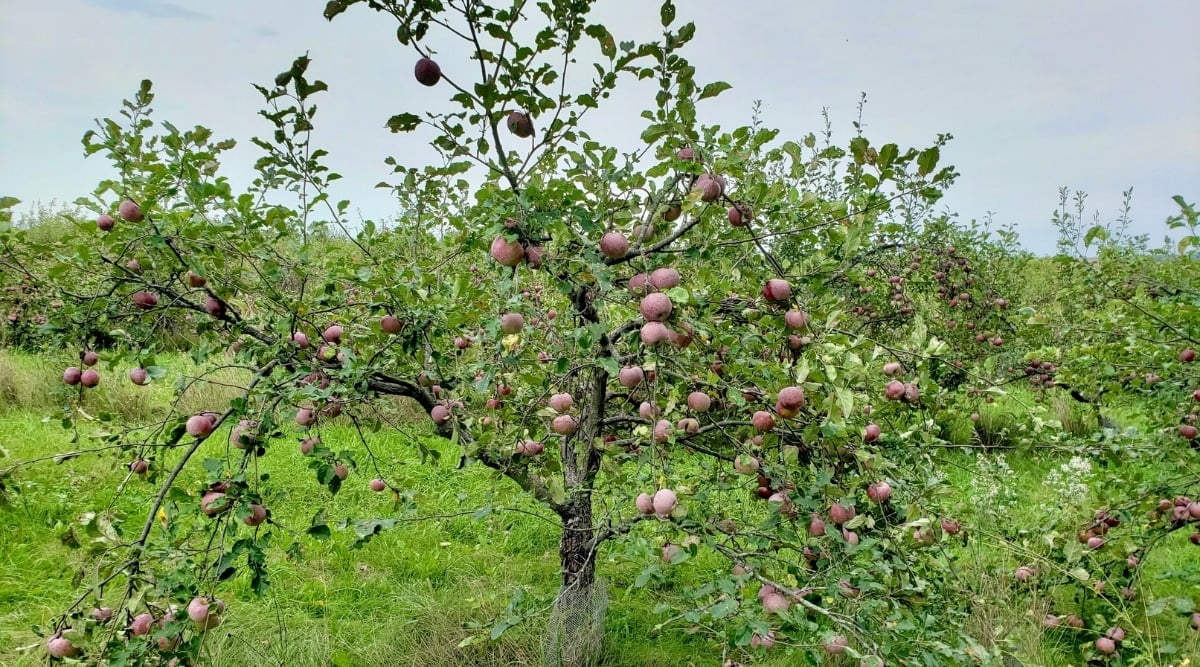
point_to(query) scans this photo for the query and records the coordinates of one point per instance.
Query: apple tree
(670, 346)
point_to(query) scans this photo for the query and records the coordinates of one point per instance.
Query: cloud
(151, 8)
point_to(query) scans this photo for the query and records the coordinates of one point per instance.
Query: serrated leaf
(403, 122)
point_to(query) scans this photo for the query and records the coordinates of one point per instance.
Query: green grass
(413, 594)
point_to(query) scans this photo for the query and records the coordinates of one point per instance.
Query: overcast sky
(1098, 95)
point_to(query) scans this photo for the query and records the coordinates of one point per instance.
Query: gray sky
(1098, 95)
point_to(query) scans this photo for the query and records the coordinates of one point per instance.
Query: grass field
(413, 594)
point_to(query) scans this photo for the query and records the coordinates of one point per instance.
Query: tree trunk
(576, 630)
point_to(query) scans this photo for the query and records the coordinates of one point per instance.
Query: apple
(662, 431)
(740, 214)
(1106, 645)
(102, 614)
(511, 323)
(440, 414)
(1188, 431)
(841, 513)
(816, 526)
(795, 319)
(306, 417)
(630, 376)
(879, 491)
(791, 398)
(214, 503)
(893, 368)
(710, 187)
(139, 466)
(745, 464)
(763, 420)
(105, 223)
(89, 358)
(308, 444)
(951, 526)
(835, 645)
(645, 504)
(872, 432)
(614, 245)
(520, 124)
(130, 211)
(427, 72)
(699, 401)
(689, 425)
(1187, 356)
(199, 426)
(894, 390)
(139, 376)
(141, 624)
(687, 154)
(774, 603)
(763, 641)
(656, 307)
(1024, 573)
(654, 333)
(648, 410)
(564, 425)
(664, 278)
(72, 376)
(777, 290)
(144, 300)
(664, 502)
(61, 647)
(561, 402)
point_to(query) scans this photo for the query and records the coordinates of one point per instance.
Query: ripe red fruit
(61, 647)
(796, 319)
(791, 398)
(134, 266)
(139, 467)
(1116, 633)
(139, 376)
(672, 213)
(777, 290)
(308, 444)
(300, 339)
(763, 420)
(561, 402)
(530, 447)
(427, 72)
(1187, 356)
(656, 307)
(90, 358)
(507, 253)
(774, 603)
(214, 307)
(664, 502)
(390, 324)
(1196, 395)
(105, 223)
(520, 124)
(662, 431)
(1106, 645)
(214, 503)
(564, 425)
(72, 376)
(145, 300)
(89, 378)
(686, 154)
(141, 624)
(533, 257)
(258, 514)
(689, 425)
(199, 426)
(711, 187)
(102, 614)
(879, 491)
(816, 526)
(1188, 432)
(614, 245)
(951, 526)
(740, 214)
(333, 333)
(745, 464)
(129, 211)
(1095, 542)
(912, 393)
(872, 432)
(645, 504)
(894, 390)
(440, 414)
(341, 471)
(1024, 573)
(631, 376)
(654, 333)
(664, 278)
(841, 513)
(699, 401)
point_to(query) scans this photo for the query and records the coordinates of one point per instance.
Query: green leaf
(667, 13)
(403, 122)
(927, 160)
(713, 89)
